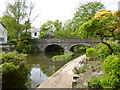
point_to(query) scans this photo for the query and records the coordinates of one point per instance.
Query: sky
(61, 10)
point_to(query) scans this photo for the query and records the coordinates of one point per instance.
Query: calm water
(42, 67)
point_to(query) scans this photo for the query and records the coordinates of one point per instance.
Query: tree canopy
(50, 27)
(16, 18)
(85, 12)
(103, 23)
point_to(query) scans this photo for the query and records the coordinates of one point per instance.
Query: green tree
(99, 26)
(17, 18)
(50, 27)
(24, 44)
(15, 70)
(11, 27)
(84, 13)
(57, 25)
(66, 28)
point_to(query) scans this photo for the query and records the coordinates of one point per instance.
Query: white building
(3, 34)
(34, 32)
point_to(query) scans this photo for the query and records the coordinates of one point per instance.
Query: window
(35, 33)
(1, 39)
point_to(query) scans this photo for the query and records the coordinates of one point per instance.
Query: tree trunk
(113, 35)
(112, 32)
(108, 45)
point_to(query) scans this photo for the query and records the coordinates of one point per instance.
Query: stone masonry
(65, 43)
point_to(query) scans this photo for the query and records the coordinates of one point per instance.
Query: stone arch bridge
(65, 43)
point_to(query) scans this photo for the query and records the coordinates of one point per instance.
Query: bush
(66, 57)
(117, 35)
(24, 44)
(102, 51)
(12, 41)
(80, 49)
(116, 46)
(94, 83)
(91, 53)
(111, 72)
(14, 70)
(82, 69)
(24, 47)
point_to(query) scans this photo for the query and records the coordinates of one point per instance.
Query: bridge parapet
(49, 40)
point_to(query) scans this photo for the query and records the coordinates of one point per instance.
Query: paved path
(63, 78)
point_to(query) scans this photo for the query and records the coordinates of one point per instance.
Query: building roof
(50, 33)
(2, 24)
(33, 30)
(2, 27)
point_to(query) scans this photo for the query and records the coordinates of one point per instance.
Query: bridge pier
(66, 50)
(66, 47)
(93, 45)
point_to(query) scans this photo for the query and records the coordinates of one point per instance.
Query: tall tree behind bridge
(50, 27)
(84, 13)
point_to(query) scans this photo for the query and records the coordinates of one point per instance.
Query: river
(42, 67)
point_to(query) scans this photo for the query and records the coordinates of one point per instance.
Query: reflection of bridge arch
(65, 43)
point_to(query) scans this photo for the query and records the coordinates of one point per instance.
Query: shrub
(12, 41)
(116, 46)
(94, 82)
(14, 70)
(66, 57)
(82, 69)
(102, 51)
(117, 35)
(24, 47)
(24, 44)
(80, 49)
(91, 53)
(111, 72)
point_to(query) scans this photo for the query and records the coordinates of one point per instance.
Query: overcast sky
(57, 9)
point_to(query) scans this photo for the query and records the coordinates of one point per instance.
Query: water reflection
(37, 76)
(42, 67)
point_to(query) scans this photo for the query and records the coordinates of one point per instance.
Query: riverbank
(63, 78)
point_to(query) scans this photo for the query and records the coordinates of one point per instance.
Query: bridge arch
(72, 46)
(53, 47)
